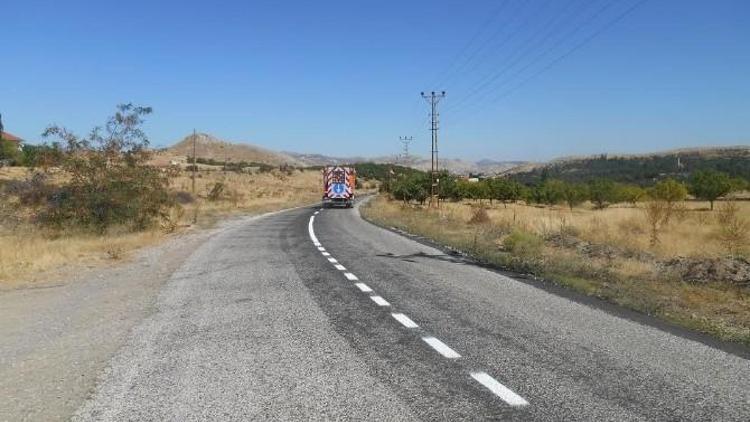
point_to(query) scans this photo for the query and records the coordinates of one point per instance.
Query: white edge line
(380, 301)
(405, 320)
(351, 277)
(364, 287)
(441, 347)
(499, 390)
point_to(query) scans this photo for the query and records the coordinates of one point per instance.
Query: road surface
(319, 315)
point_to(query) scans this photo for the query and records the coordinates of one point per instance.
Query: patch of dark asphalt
(553, 287)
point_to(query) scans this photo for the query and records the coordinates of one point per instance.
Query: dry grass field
(28, 252)
(697, 275)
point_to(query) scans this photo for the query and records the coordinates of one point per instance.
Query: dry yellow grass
(626, 279)
(247, 193)
(27, 251)
(691, 232)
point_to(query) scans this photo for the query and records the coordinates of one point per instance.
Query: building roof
(11, 137)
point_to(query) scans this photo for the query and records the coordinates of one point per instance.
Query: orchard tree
(602, 192)
(505, 190)
(710, 185)
(574, 194)
(632, 194)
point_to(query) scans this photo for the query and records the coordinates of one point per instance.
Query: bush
(9, 152)
(523, 244)
(33, 191)
(479, 216)
(110, 182)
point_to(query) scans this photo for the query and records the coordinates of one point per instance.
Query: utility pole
(195, 167)
(405, 140)
(433, 99)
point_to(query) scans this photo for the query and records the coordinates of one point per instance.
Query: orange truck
(338, 186)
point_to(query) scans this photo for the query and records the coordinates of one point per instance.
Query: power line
(618, 18)
(492, 78)
(447, 72)
(497, 45)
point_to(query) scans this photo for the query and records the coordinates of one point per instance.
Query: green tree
(710, 185)
(602, 192)
(9, 151)
(669, 191)
(504, 190)
(447, 186)
(110, 182)
(574, 194)
(632, 193)
(554, 191)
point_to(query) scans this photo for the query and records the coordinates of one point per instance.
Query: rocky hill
(210, 147)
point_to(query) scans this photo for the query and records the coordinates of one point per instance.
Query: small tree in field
(734, 230)
(110, 182)
(657, 215)
(602, 193)
(670, 192)
(710, 185)
(574, 194)
(632, 194)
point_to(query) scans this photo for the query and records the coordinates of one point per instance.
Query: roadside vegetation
(80, 200)
(664, 250)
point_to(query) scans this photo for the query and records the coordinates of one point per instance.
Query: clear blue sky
(343, 77)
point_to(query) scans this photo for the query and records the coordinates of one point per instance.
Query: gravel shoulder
(57, 336)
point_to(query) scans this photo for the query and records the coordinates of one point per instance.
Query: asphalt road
(260, 323)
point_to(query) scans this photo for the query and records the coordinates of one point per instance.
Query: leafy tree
(110, 182)
(415, 187)
(553, 191)
(574, 194)
(710, 185)
(632, 193)
(9, 151)
(669, 191)
(602, 192)
(504, 190)
(447, 186)
(43, 156)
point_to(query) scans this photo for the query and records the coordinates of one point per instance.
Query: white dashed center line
(499, 390)
(364, 287)
(441, 348)
(380, 301)
(405, 320)
(483, 378)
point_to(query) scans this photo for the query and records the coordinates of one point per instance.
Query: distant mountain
(641, 169)
(457, 166)
(210, 147)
